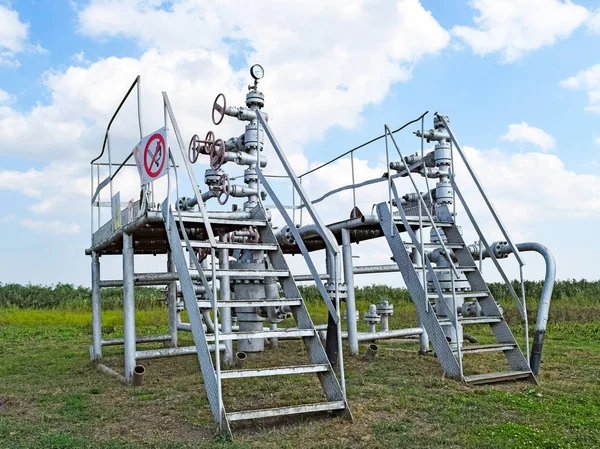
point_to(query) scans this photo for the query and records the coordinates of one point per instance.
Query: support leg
(96, 309)
(128, 306)
(423, 340)
(331, 341)
(172, 303)
(350, 301)
(225, 295)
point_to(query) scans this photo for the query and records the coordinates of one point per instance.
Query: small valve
(220, 110)
(217, 154)
(224, 188)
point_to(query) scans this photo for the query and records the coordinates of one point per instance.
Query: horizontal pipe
(146, 339)
(370, 269)
(107, 370)
(372, 336)
(172, 352)
(546, 296)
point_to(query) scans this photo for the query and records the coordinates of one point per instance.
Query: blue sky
(518, 82)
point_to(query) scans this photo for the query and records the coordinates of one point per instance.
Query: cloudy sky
(520, 80)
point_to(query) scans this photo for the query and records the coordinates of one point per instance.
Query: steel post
(96, 309)
(225, 295)
(172, 302)
(331, 343)
(350, 300)
(128, 306)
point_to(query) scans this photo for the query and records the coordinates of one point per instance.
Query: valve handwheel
(194, 149)
(217, 154)
(225, 186)
(219, 109)
(209, 140)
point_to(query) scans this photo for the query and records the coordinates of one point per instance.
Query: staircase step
(436, 245)
(472, 349)
(253, 303)
(488, 378)
(227, 245)
(280, 371)
(281, 411)
(472, 320)
(459, 268)
(196, 217)
(276, 333)
(460, 295)
(412, 220)
(247, 274)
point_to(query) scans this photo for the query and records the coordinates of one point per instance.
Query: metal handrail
(190, 172)
(106, 144)
(521, 304)
(420, 247)
(135, 82)
(327, 237)
(324, 232)
(481, 190)
(422, 202)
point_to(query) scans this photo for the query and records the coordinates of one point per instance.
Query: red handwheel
(225, 185)
(217, 154)
(194, 149)
(219, 109)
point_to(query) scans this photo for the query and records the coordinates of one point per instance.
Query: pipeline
(544, 307)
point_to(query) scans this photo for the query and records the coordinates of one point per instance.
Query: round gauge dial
(257, 71)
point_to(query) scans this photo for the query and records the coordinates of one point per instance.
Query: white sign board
(151, 156)
(116, 211)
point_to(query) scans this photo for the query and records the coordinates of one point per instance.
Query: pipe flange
(212, 177)
(356, 315)
(384, 308)
(342, 291)
(371, 315)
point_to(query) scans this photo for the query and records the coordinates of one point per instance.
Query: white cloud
(589, 80)
(13, 37)
(517, 27)
(13, 34)
(5, 97)
(54, 227)
(522, 132)
(593, 23)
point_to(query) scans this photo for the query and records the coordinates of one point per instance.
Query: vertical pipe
(353, 180)
(96, 309)
(424, 337)
(172, 302)
(225, 295)
(331, 342)
(339, 325)
(351, 300)
(525, 313)
(128, 306)
(389, 183)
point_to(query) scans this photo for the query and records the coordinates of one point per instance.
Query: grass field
(52, 396)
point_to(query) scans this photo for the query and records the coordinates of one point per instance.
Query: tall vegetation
(67, 296)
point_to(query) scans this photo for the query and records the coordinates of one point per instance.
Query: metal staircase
(456, 279)
(334, 398)
(433, 323)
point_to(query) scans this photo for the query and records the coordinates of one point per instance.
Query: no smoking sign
(151, 156)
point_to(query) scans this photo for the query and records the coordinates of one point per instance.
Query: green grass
(52, 396)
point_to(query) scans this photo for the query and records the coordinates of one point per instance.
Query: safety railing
(97, 186)
(420, 243)
(521, 303)
(297, 209)
(324, 232)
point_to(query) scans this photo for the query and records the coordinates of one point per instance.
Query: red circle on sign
(154, 158)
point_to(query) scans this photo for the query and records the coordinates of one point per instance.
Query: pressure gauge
(257, 71)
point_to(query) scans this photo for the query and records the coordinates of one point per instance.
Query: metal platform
(149, 236)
